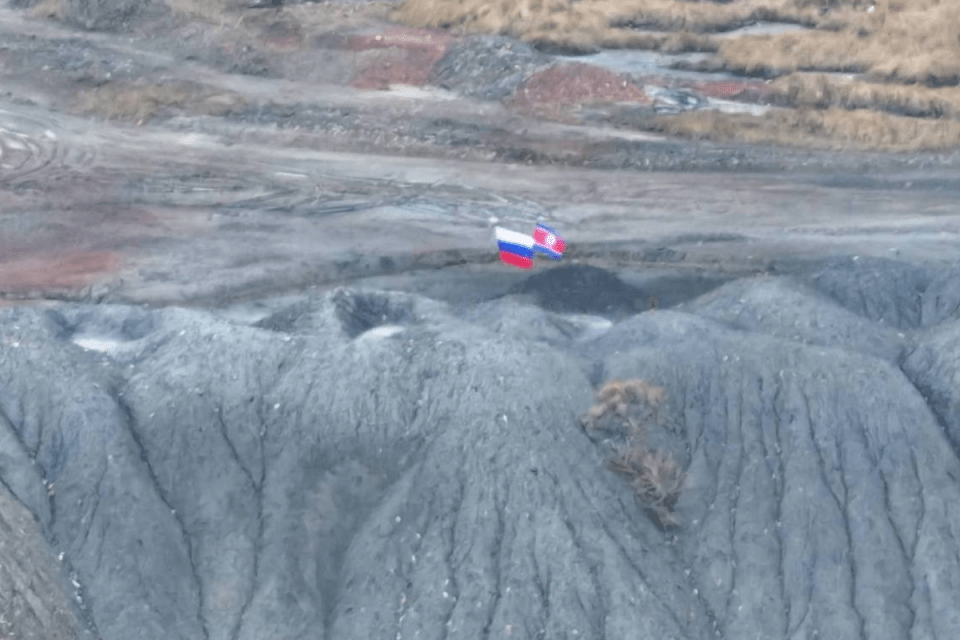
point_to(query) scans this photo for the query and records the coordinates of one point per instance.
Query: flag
(547, 241)
(515, 248)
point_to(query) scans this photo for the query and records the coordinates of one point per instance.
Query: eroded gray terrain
(374, 464)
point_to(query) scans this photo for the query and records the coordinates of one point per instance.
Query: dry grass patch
(913, 41)
(837, 129)
(918, 44)
(588, 24)
(789, 52)
(616, 38)
(822, 92)
(141, 102)
(212, 11)
(703, 17)
(686, 42)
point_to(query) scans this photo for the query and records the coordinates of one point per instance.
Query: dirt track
(312, 183)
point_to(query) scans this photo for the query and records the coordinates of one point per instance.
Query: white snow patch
(590, 326)
(193, 139)
(383, 331)
(407, 91)
(97, 343)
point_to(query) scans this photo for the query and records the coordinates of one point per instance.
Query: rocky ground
(262, 374)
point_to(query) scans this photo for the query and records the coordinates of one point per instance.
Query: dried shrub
(616, 397)
(655, 476)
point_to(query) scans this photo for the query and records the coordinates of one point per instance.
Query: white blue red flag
(515, 248)
(548, 241)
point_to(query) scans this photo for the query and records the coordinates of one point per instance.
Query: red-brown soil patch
(407, 57)
(575, 84)
(45, 272)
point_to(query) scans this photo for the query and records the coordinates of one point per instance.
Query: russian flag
(515, 248)
(548, 241)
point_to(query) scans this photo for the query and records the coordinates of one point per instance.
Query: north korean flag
(546, 240)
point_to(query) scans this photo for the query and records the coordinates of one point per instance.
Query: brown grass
(588, 24)
(918, 43)
(837, 129)
(141, 102)
(677, 15)
(821, 91)
(785, 53)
